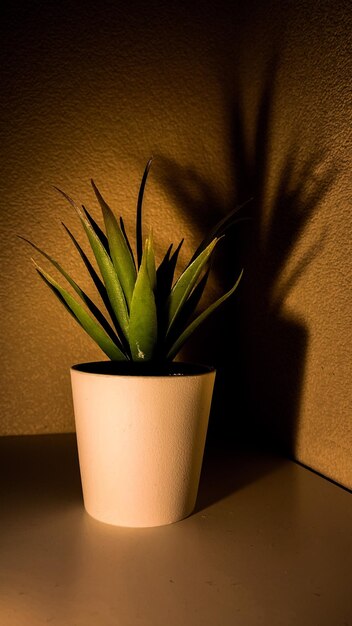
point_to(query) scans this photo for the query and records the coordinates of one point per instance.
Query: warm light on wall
(94, 93)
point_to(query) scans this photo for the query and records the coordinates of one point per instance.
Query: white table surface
(270, 544)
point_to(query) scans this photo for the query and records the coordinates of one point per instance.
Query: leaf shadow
(258, 349)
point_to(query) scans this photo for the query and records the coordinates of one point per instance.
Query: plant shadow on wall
(259, 350)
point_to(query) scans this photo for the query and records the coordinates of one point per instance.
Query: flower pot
(141, 434)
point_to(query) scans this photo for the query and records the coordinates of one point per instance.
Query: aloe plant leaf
(93, 274)
(99, 286)
(119, 250)
(86, 299)
(165, 273)
(143, 329)
(186, 282)
(166, 258)
(139, 235)
(150, 261)
(98, 231)
(101, 290)
(184, 336)
(165, 276)
(162, 277)
(123, 229)
(94, 330)
(111, 280)
(188, 308)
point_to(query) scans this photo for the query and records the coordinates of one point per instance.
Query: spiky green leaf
(123, 229)
(150, 261)
(119, 250)
(107, 270)
(86, 299)
(165, 273)
(143, 329)
(186, 283)
(184, 336)
(94, 330)
(100, 288)
(92, 273)
(187, 311)
(98, 231)
(139, 235)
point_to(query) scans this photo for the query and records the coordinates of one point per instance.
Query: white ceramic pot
(140, 440)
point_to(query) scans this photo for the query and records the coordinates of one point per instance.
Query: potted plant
(141, 417)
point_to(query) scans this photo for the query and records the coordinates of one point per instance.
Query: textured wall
(237, 100)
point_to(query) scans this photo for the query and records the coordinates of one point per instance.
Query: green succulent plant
(150, 315)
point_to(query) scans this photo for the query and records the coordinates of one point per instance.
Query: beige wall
(237, 99)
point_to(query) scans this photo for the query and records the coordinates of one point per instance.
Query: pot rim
(143, 370)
